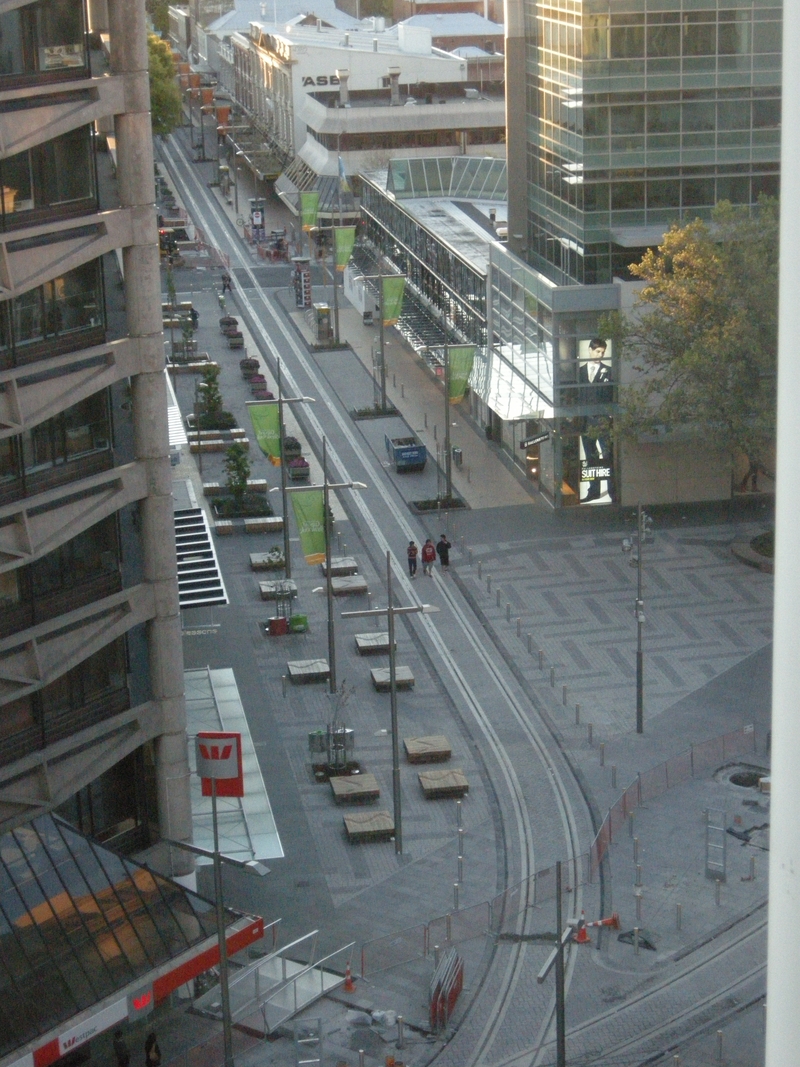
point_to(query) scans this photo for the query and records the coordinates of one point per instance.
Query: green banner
(267, 425)
(394, 286)
(344, 237)
(309, 206)
(460, 358)
(309, 514)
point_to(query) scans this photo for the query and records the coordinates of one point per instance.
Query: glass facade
(45, 41)
(78, 923)
(641, 116)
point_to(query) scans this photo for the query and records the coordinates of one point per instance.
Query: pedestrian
(121, 1050)
(443, 552)
(227, 285)
(428, 557)
(152, 1053)
(195, 318)
(412, 551)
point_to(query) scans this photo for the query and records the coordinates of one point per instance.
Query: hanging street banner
(309, 206)
(267, 425)
(309, 514)
(344, 237)
(394, 287)
(344, 184)
(460, 358)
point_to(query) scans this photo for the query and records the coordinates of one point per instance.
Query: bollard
(460, 869)
(498, 598)
(552, 677)
(361, 1057)
(469, 475)
(460, 841)
(519, 627)
(717, 884)
(462, 546)
(602, 753)
(339, 541)
(638, 906)
(638, 874)
(636, 940)
(508, 613)
(530, 644)
(488, 583)
(678, 916)
(400, 1042)
(676, 1059)
(480, 569)
(564, 695)
(344, 548)
(394, 380)
(589, 733)
(752, 868)
(541, 660)
(435, 955)
(458, 813)
(577, 714)
(435, 428)
(455, 896)
(469, 555)
(426, 420)
(283, 683)
(719, 1046)
(630, 824)
(402, 391)
(613, 776)
(636, 850)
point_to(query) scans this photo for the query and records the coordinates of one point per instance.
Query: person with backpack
(428, 557)
(412, 552)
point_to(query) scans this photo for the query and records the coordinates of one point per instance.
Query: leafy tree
(237, 468)
(704, 336)
(165, 96)
(158, 10)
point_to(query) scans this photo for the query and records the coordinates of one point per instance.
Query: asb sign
(219, 759)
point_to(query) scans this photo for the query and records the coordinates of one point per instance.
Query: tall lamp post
(556, 957)
(448, 452)
(390, 611)
(643, 528)
(287, 557)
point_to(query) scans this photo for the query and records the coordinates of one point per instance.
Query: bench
(351, 585)
(266, 561)
(354, 788)
(435, 748)
(224, 527)
(403, 678)
(341, 566)
(262, 524)
(443, 782)
(362, 826)
(276, 590)
(373, 644)
(306, 671)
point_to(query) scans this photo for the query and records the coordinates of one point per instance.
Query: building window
(45, 39)
(73, 433)
(56, 177)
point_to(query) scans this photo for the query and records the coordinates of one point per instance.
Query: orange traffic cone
(349, 985)
(581, 936)
(613, 922)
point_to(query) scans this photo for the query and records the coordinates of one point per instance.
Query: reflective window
(47, 37)
(57, 174)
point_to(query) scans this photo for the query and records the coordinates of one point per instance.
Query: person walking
(412, 552)
(227, 283)
(443, 552)
(152, 1053)
(121, 1050)
(428, 557)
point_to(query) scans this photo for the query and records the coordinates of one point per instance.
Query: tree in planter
(237, 469)
(213, 416)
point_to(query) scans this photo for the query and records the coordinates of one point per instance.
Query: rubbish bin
(458, 456)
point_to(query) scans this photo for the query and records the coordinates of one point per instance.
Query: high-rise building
(638, 115)
(92, 720)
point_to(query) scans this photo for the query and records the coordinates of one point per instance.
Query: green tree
(165, 96)
(237, 468)
(703, 339)
(158, 10)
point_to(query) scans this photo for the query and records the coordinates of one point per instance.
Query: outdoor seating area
(349, 585)
(443, 783)
(307, 671)
(363, 826)
(403, 678)
(354, 788)
(341, 567)
(432, 749)
(375, 643)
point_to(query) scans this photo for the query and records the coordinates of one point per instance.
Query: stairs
(199, 579)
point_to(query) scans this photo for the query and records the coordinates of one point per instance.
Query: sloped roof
(457, 24)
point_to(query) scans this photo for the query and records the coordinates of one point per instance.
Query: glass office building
(641, 114)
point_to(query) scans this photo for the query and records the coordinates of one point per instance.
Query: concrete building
(92, 721)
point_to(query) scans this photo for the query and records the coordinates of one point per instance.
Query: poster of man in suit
(595, 373)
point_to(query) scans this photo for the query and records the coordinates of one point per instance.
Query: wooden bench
(265, 561)
(306, 671)
(403, 678)
(362, 826)
(262, 524)
(224, 527)
(341, 566)
(443, 782)
(276, 590)
(435, 748)
(351, 585)
(354, 788)
(372, 644)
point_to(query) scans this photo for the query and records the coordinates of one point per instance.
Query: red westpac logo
(143, 1001)
(214, 752)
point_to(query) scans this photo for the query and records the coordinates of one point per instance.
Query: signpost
(538, 439)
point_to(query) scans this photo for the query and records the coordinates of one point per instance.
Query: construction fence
(503, 914)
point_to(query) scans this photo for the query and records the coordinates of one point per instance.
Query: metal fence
(695, 760)
(502, 913)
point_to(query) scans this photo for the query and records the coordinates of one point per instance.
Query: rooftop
(457, 23)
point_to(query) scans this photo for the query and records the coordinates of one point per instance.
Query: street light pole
(383, 347)
(328, 578)
(563, 937)
(225, 997)
(448, 453)
(390, 611)
(639, 624)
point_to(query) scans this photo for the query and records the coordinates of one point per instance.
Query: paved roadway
(531, 800)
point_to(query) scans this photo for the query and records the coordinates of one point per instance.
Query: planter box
(236, 342)
(215, 444)
(236, 433)
(262, 524)
(254, 485)
(223, 527)
(299, 474)
(201, 363)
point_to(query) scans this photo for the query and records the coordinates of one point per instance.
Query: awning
(89, 938)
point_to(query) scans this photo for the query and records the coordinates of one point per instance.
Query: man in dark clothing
(412, 552)
(226, 283)
(443, 552)
(121, 1050)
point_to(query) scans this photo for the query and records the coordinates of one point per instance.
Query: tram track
(205, 209)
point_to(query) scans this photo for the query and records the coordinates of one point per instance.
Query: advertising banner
(460, 358)
(309, 206)
(267, 426)
(344, 184)
(344, 237)
(219, 758)
(394, 287)
(309, 514)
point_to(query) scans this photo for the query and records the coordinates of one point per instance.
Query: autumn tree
(165, 96)
(703, 339)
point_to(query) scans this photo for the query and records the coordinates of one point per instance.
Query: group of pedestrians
(429, 554)
(152, 1053)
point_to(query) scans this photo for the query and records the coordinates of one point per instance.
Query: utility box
(407, 453)
(301, 280)
(322, 323)
(458, 457)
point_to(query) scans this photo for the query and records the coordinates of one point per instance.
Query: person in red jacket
(428, 557)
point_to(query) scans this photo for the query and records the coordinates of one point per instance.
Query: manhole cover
(745, 779)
